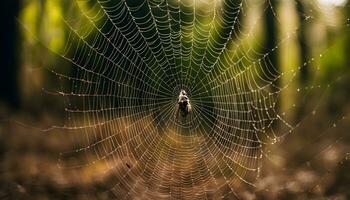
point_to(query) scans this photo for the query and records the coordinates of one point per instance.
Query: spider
(184, 103)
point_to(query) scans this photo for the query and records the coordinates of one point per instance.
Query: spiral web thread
(129, 61)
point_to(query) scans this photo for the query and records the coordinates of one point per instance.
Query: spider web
(129, 61)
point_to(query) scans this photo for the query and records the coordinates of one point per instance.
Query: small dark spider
(184, 103)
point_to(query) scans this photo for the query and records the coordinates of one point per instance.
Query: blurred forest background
(311, 163)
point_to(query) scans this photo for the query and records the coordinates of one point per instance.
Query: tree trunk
(9, 54)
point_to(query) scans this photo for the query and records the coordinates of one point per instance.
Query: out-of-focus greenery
(43, 19)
